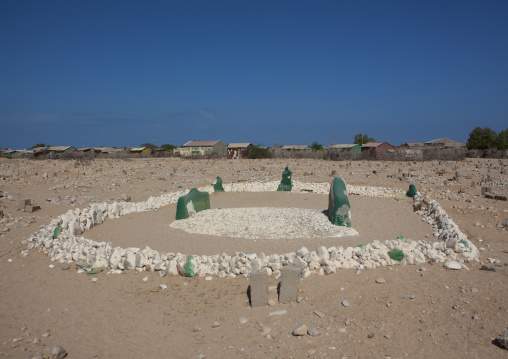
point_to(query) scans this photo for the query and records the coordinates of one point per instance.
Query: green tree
(259, 152)
(482, 139)
(502, 140)
(316, 146)
(168, 146)
(363, 139)
(149, 145)
(39, 145)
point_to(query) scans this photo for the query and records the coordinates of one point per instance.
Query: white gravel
(263, 222)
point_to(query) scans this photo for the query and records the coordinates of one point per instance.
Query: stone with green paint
(401, 237)
(217, 186)
(339, 209)
(285, 183)
(396, 255)
(464, 242)
(56, 232)
(193, 202)
(190, 266)
(412, 191)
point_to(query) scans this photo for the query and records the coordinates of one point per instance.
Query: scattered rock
(345, 303)
(58, 352)
(243, 320)
(215, 324)
(380, 280)
(196, 329)
(65, 266)
(452, 265)
(300, 330)
(163, 286)
(312, 332)
(370, 336)
(502, 339)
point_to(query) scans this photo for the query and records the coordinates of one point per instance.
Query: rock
(299, 299)
(502, 339)
(215, 324)
(58, 352)
(64, 266)
(452, 265)
(319, 314)
(125, 198)
(313, 332)
(339, 209)
(243, 320)
(163, 286)
(300, 330)
(412, 296)
(380, 280)
(496, 267)
(278, 312)
(345, 303)
(370, 336)
(196, 329)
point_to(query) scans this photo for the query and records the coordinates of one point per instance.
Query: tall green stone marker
(285, 184)
(412, 191)
(339, 209)
(191, 203)
(217, 186)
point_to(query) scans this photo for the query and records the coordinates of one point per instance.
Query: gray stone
(345, 303)
(501, 197)
(259, 288)
(58, 352)
(215, 324)
(496, 267)
(32, 208)
(65, 266)
(243, 320)
(23, 203)
(319, 314)
(485, 190)
(313, 332)
(289, 284)
(502, 339)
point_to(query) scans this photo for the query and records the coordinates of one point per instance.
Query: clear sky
(118, 73)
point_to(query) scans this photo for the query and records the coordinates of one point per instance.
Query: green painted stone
(190, 270)
(339, 209)
(362, 246)
(56, 232)
(396, 255)
(217, 186)
(412, 191)
(191, 203)
(285, 183)
(401, 237)
(464, 242)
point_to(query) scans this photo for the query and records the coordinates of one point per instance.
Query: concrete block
(258, 288)
(32, 208)
(500, 197)
(489, 195)
(486, 190)
(289, 284)
(23, 203)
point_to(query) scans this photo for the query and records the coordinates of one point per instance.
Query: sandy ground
(454, 314)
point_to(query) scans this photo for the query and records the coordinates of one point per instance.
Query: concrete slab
(289, 284)
(259, 288)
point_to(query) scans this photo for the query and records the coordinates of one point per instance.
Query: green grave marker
(191, 203)
(285, 183)
(339, 209)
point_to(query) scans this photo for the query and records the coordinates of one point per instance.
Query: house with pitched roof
(238, 150)
(202, 148)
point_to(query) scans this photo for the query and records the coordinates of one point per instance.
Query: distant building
(376, 150)
(347, 150)
(238, 150)
(202, 148)
(445, 143)
(53, 151)
(413, 145)
(295, 148)
(138, 151)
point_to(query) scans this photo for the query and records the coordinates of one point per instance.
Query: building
(376, 150)
(413, 145)
(138, 151)
(238, 150)
(445, 143)
(295, 148)
(53, 151)
(202, 148)
(350, 151)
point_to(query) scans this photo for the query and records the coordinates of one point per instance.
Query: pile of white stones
(71, 246)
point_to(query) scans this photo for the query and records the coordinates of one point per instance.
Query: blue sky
(119, 73)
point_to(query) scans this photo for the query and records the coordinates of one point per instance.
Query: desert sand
(415, 312)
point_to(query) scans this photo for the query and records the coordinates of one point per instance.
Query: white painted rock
(452, 265)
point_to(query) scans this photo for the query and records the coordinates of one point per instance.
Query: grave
(285, 183)
(193, 202)
(217, 186)
(339, 209)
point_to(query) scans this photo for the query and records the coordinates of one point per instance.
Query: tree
(502, 140)
(149, 145)
(482, 139)
(259, 152)
(39, 145)
(363, 139)
(316, 146)
(168, 146)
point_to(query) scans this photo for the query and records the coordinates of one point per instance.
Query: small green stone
(396, 254)
(217, 187)
(464, 242)
(56, 232)
(401, 237)
(190, 271)
(285, 183)
(412, 191)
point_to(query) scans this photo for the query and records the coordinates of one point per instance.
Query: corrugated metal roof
(59, 148)
(200, 143)
(239, 145)
(373, 144)
(344, 145)
(134, 149)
